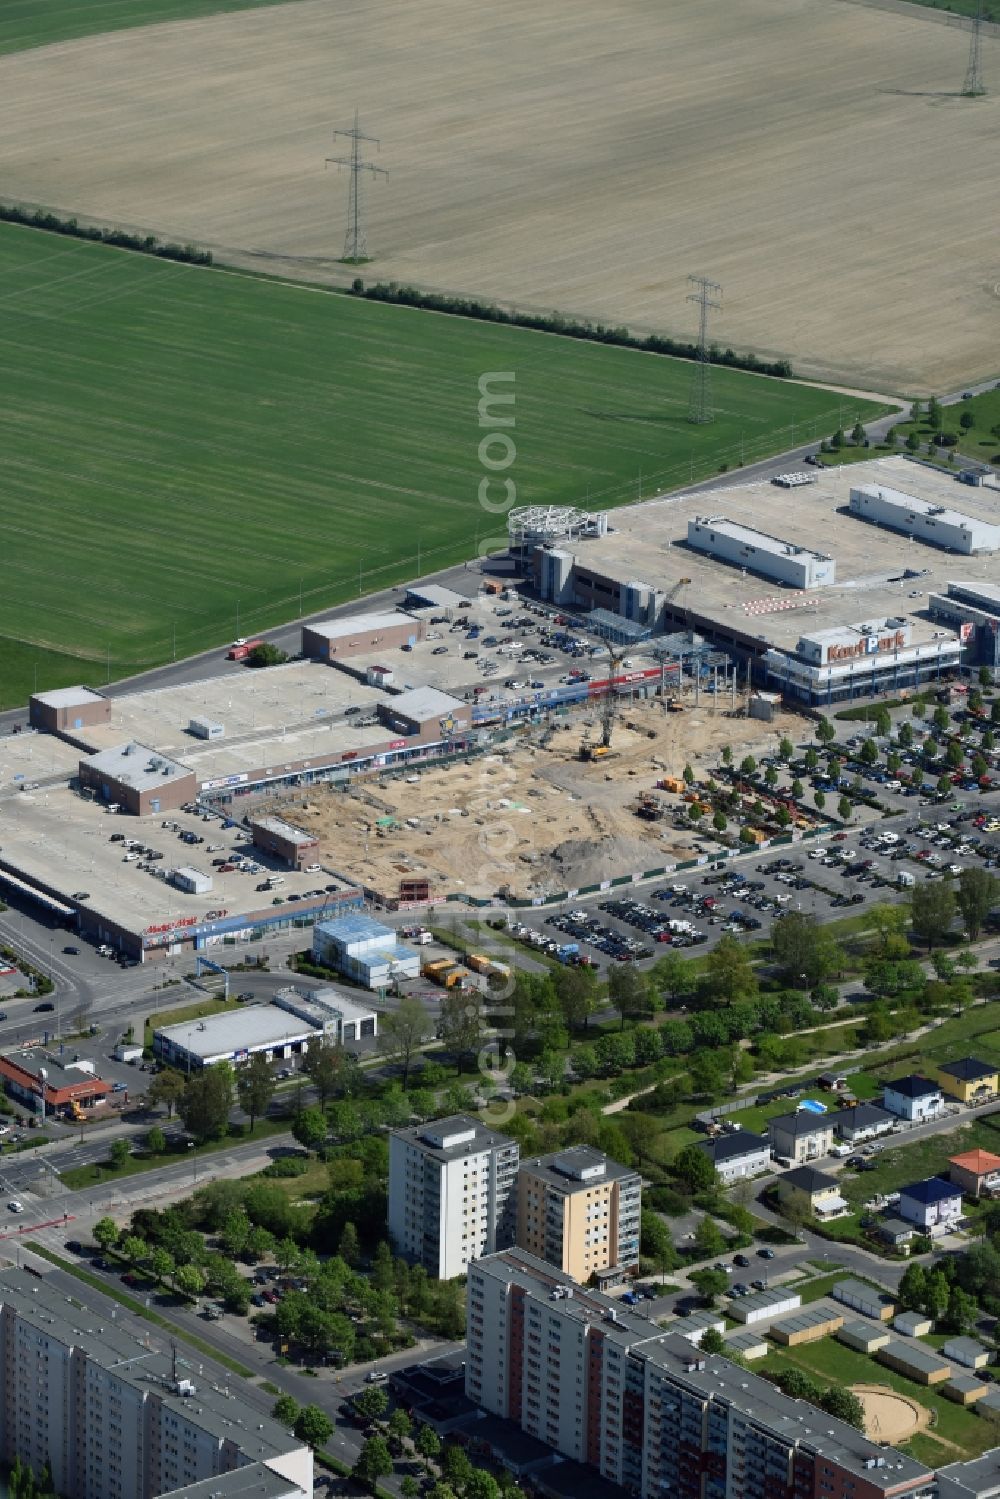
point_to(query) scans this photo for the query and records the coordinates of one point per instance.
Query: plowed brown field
(813, 156)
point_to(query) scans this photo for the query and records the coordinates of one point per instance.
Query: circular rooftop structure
(541, 525)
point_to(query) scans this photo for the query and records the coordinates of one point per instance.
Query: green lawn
(194, 454)
(35, 23)
(836, 1364)
(900, 1163)
(76, 1178)
(979, 441)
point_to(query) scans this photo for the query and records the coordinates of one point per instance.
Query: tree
(913, 443)
(786, 749)
(166, 1087)
(455, 1465)
(941, 718)
(374, 1461)
(688, 775)
(399, 1424)
(156, 1140)
(868, 754)
(481, 1485)
(255, 1085)
(314, 1427)
(710, 1283)
(727, 755)
(883, 722)
(819, 797)
(961, 1311)
(805, 952)
(119, 1153)
(106, 1233)
(349, 1248)
(978, 892)
(844, 1405)
(427, 1443)
(161, 1263)
(748, 765)
(712, 1341)
(695, 812)
(730, 971)
(286, 1410)
(695, 1168)
(207, 1102)
(719, 821)
(935, 415)
(932, 911)
(402, 1032)
(858, 433)
(844, 809)
(310, 1128)
(460, 1025)
(189, 1280)
(937, 1295)
(627, 991)
(372, 1403)
(328, 1067)
(825, 731)
(708, 1238)
(267, 654)
(913, 1288)
(133, 1248)
(673, 975)
(967, 421)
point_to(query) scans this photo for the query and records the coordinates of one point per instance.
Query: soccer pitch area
(190, 452)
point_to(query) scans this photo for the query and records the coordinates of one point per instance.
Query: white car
(14, 1206)
(375, 1376)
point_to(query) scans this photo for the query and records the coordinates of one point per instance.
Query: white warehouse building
(758, 552)
(937, 525)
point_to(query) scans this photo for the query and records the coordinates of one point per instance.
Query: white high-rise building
(452, 1193)
(115, 1419)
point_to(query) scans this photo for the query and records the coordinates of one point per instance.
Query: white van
(275, 880)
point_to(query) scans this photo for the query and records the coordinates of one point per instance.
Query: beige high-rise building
(580, 1211)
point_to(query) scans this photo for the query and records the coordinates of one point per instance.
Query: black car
(44, 1007)
(74, 952)
(765, 1254)
(74, 1246)
(741, 1260)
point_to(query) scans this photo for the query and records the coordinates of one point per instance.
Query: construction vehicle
(453, 977)
(672, 783)
(479, 963)
(431, 969)
(674, 705)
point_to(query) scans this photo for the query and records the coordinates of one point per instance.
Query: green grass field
(954, 1429)
(36, 23)
(192, 453)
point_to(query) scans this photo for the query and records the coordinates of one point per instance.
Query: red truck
(240, 649)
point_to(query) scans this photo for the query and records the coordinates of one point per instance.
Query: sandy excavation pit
(531, 815)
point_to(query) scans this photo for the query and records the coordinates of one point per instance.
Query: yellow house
(813, 1191)
(969, 1080)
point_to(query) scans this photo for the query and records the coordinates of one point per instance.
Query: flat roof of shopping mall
(32, 759)
(647, 542)
(61, 840)
(252, 706)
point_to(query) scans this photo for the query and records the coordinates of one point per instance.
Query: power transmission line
(974, 85)
(356, 243)
(700, 406)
